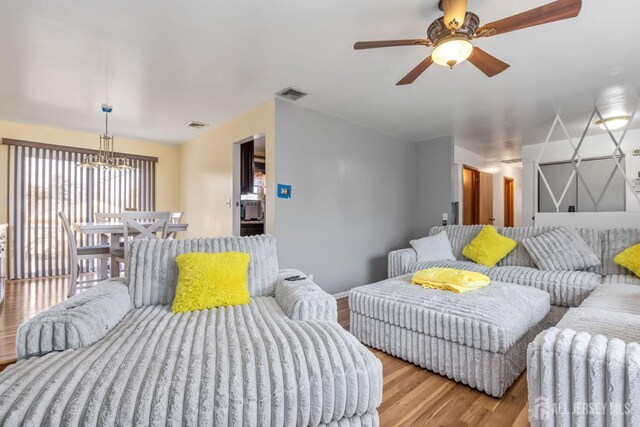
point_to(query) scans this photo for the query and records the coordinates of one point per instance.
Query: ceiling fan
(451, 35)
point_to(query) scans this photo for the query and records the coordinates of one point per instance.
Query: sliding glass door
(44, 180)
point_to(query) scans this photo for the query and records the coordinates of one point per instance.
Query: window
(45, 179)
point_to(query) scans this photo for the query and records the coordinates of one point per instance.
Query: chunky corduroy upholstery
(303, 299)
(280, 360)
(78, 322)
(153, 272)
(567, 288)
(561, 249)
(586, 371)
(478, 338)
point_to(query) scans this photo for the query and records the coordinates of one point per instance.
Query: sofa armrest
(398, 261)
(77, 322)
(303, 299)
(575, 378)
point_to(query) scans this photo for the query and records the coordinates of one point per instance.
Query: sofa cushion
(519, 257)
(152, 271)
(491, 318)
(211, 280)
(630, 259)
(433, 248)
(241, 365)
(623, 326)
(459, 236)
(615, 241)
(561, 249)
(567, 288)
(460, 265)
(488, 247)
(620, 279)
(615, 298)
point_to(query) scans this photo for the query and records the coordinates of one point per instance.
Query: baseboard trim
(341, 295)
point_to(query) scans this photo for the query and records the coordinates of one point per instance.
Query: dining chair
(108, 217)
(176, 217)
(140, 225)
(82, 253)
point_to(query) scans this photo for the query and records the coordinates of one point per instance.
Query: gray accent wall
(434, 176)
(355, 195)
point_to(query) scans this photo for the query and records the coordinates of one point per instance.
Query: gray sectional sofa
(584, 369)
(116, 355)
(566, 288)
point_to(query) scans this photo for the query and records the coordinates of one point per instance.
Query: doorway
(509, 191)
(477, 196)
(470, 180)
(249, 186)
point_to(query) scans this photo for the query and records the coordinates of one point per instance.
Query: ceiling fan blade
(486, 63)
(415, 73)
(556, 11)
(454, 13)
(391, 43)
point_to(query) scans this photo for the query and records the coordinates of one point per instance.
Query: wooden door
(508, 202)
(485, 205)
(469, 195)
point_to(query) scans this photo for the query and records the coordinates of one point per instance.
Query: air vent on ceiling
(512, 161)
(291, 94)
(195, 124)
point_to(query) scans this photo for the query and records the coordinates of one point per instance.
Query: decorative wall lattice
(617, 156)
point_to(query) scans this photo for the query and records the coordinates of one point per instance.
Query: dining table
(112, 232)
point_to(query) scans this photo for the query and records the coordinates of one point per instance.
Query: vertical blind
(45, 179)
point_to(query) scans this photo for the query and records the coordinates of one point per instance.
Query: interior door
(485, 190)
(508, 202)
(469, 195)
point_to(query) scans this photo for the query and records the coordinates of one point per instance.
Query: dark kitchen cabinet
(251, 229)
(246, 167)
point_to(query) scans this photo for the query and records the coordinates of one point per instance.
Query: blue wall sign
(284, 191)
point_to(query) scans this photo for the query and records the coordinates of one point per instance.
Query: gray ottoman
(478, 338)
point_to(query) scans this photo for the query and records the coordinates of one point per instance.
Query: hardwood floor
(416, 397)
(412, 396)
(24, 299)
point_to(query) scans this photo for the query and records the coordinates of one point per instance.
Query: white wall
(593, 146)
(499, 170)
(354, 195)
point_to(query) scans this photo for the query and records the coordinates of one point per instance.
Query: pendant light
(105, 158)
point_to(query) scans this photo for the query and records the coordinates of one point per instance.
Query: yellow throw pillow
(488, 247)
(450, 279)
(630, 259)
(211, 280)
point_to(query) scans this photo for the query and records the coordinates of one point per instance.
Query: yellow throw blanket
(450, 279)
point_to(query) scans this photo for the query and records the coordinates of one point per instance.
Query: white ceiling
(163, 62)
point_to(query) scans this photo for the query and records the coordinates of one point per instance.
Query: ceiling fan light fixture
(613, 123)
(452, 51)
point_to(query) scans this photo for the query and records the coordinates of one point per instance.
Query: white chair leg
(102, 268)
(73, 278)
